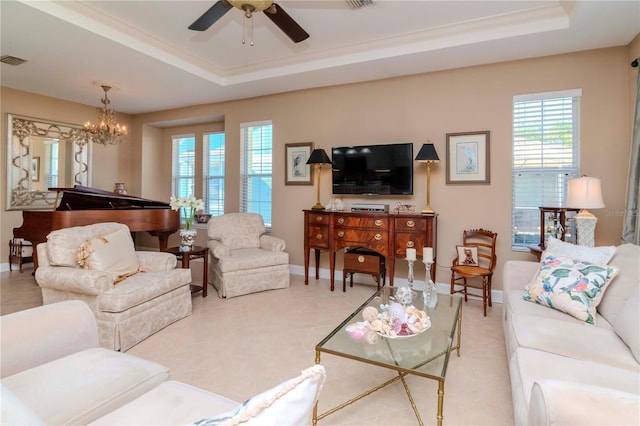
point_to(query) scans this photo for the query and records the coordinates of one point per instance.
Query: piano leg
(163, 238)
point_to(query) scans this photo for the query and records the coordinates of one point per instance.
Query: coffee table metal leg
(413, 404)
(440, 401)
(314, 420)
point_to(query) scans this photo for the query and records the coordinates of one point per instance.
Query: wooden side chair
(476, 261)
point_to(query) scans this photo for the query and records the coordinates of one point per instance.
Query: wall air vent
(11, 60)
(356, 4)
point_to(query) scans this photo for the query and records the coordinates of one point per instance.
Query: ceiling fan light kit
(274, 12)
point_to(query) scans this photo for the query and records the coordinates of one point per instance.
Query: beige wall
(416, 109)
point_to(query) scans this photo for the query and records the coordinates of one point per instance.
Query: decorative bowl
(202, 218)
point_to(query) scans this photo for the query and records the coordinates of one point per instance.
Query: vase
(187, 239)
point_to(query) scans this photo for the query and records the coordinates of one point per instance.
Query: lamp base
(428, 210)
(318, 206)
(586, 228)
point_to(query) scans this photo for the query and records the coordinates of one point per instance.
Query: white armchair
(244, 259)
(132, 294)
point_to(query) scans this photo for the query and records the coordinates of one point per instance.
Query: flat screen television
(373, 169)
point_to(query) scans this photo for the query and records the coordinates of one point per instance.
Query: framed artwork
(468, 158)
(295, 158)
(35, 169)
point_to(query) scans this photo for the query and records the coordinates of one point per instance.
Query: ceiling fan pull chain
(244, 30)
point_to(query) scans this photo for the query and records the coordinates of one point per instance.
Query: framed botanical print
(298, 172)
(468, 158)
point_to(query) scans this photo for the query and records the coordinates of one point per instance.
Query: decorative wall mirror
(43, 154)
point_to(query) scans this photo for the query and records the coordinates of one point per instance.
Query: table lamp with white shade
(585, 193)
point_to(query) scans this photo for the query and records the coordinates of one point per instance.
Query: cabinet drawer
(318, 236)
(418, 224)
(362, 236)
(318, 218)
(361, 222)
(405, 240)
(363, 263)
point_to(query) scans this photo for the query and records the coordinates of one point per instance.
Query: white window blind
(545, 155)
(256, 153)
(183, 167)
(214, 149)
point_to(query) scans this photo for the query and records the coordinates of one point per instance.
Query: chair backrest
(485, 241)
(237, 230)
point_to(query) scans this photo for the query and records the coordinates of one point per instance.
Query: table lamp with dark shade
(318, 158)
(428, 155)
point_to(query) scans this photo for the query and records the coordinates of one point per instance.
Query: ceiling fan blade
(286, 23)
(208, 18)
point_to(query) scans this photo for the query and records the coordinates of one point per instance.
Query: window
(545, 155)
(256, 169)
(184, 162)
(213, 170)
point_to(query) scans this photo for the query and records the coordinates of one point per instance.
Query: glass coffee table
(425, 354)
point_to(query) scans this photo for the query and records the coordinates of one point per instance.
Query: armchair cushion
(237, 230)
(251, 258)
(113, 252)
(63, 244)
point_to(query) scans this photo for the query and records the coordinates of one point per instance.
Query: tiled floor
(241, 346)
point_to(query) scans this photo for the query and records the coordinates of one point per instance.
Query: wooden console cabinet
(389, 234)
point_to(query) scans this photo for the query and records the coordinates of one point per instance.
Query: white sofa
(564, 370)
(54, 372)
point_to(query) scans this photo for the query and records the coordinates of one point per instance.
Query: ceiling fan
(274, 12)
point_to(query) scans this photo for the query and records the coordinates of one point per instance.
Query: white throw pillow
(63, 244)
(598, 255)
(468, 255)
(290, 403)
(113, 252)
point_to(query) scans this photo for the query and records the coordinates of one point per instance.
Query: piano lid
(85, 198)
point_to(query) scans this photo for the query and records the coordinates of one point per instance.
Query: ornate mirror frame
(21, 175)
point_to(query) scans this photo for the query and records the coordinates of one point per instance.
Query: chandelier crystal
(107, 131)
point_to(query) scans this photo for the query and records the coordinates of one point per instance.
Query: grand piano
(83, 205)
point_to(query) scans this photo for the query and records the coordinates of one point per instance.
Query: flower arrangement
(188, 206)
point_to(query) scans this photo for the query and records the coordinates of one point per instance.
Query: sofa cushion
(95, 382)
(573, 339)
(598, 255)
(171, 403)
(63, 244)
(624, 286)
(113, 252)
(251, 258)
(570, 285)
(290, 403)
(627, 323)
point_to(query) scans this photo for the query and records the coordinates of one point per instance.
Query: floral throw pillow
(570, 285)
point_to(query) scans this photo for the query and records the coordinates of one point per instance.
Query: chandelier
(107, 131)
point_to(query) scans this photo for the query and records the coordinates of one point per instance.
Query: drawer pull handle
(410, 244)
(377, 237)
(341, 220)
(340, 234)
(378, 222)
(361, 259)
(318, 218)
(318, 236)
(411, 224)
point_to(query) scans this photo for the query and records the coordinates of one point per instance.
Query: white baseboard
(496, 295)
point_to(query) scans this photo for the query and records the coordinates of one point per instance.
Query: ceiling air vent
(11, 60)
(355, 4)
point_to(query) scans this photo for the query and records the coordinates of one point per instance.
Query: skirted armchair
(244, 259)
(133, 294)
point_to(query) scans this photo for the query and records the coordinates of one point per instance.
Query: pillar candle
(427, 254)
(411, 254)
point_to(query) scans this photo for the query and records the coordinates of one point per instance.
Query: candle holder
(429, 294)
(404, 295)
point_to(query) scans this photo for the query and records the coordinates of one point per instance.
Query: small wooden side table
(196, 252)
